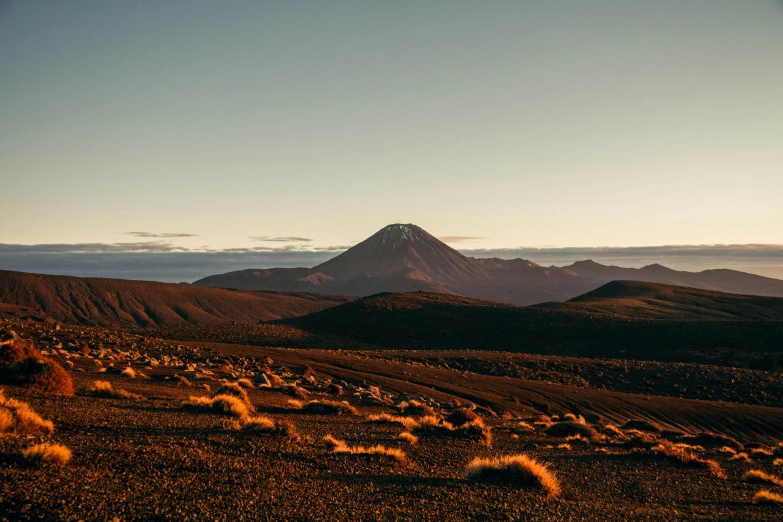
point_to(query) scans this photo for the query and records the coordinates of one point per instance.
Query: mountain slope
(121, 303)
(401, 258)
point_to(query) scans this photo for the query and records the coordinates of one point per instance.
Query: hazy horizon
(212, 126)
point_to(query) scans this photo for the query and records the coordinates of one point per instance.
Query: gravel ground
(151, 460)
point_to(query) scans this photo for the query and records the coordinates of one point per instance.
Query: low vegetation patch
(23, 365)
(416, 408)
(766, 497)
(323, 407)
(18, 417)
(225, 404)
(339, 446)
(569, 428)
(461, 416)
(408, 437)
(261, 424)
(385, 418)
(434, 425)
(683, 457)
(235, 390)
(46, 453)
(757, 476)
(519, 470)
(105, 389)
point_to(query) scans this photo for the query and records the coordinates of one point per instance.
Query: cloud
(167, 235)
(79, 248)
(280, 239)
(460, 239)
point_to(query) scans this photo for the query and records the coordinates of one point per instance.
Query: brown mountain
(401, 258)
(122, 303)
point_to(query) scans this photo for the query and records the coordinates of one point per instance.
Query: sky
(180, 126)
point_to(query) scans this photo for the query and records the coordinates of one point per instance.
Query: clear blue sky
(495, 124)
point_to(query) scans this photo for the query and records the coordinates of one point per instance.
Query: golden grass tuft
(385, 418)
(23, 418)
(339, 446)
(434, 425)
(777, 462)
(767, 452)
(519, 470)
(274, 380)
(741, 456)
(294, 404)
(129, 372)
(569, 428)
(227, 404)
(6, 420)
(245, 383)
(235, 390)
(46, 453)
(756, 476)
(683, 457)
(105, 389)
(768, 498)
(416, 408)
(324, 407)
(523, 427)
(408, 437)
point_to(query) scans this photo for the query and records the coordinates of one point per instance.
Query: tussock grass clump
(245, 383)
(105, 389)
(519, 470)
(22, 417)
(741, 456)
(275, 381)
(777, 462)
(714, 440)
(339, 446)
(385, 418)
(295, 391)
(323, 407)
(416, 408)
(433, 425)
(683, 457)
(261, 424)
(766, 452)
(46, 453)
(523, 427)
(577, 440)
(235, 390)
(294, 404)
(22, 364)
(768, 498)
(408, 437)
(569, 428)
(226, 404)
(757, 476)
(128, 372)
(643, 425)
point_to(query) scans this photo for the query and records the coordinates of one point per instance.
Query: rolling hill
(122, 303)
(404, 258)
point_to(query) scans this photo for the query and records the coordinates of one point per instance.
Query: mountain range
(404, 257)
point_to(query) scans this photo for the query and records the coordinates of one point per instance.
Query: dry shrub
(757, 476)
(23, 418)
(416, 408)
(15, 351)
(129, 372)
(105, 389)
(385, 418)
(339, 446)
(245, 383)
(330, 408)
(519, 470)
(22, 364)
(408, 437)
(433, 425)
(227, 404)
(46, 453)
(522, 427)
(569, 428)
(235, 390)
(462, 416)
(741, 456)
(683, 457)
(642, 425)
(766, 497)
(714, 440)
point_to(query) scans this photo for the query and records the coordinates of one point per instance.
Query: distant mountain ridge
(123, 303)
(404, 257)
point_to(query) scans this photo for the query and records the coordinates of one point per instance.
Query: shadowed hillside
(122, 303)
